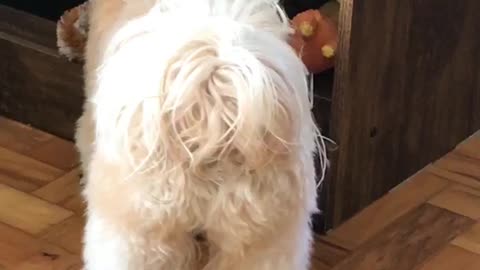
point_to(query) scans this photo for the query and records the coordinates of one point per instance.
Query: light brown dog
(197, 122)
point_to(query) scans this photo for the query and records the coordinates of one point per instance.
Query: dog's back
(202, 122)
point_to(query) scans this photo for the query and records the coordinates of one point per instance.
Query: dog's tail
(194, 83)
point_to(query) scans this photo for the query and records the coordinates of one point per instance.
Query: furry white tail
(202, 82)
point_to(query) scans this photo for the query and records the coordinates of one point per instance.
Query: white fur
(197, 120)
(105, 249)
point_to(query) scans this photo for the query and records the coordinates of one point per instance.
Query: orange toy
(315, 40)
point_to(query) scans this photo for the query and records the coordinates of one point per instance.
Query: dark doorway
(51, 9)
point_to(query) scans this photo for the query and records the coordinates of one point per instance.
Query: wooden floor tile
(342, 242)
(316, 264)
(454, 177)
(459, 199)
(62, 189)
(469, 240)
(461, 165)
(18, 250)
(28, 213)
(409, 241)
(15, 246)
(470, 147)
(19, 137)
(38, 145)
(377, 216)
(24, 173)
(58, 153)
(430, 222)
(453, 258)
(51, 258)
(328, 254)
(67, 234)
(75, 204)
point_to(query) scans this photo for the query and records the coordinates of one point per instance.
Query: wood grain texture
(373, 219)
(19, 250)
(470, 147)
(51, 258)
(338, 112)
(25, 173)
(454, 177)
(28, 213)
(37, 144)
(62, 189)
(15, 246)
(328, 254)
(20, 138)
(408, 242)
(460, 165)
(470, 240)
(36, 232)
(459, 199)
(67, 234)
(452, 257)
(75, 203)
(316, 264)
(37, 86)
(398, 75)
(57, 152)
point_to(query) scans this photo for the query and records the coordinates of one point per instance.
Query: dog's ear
(72, 31)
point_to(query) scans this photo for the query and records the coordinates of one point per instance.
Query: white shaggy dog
(197, 122)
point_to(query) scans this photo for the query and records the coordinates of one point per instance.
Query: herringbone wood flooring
(430, 222)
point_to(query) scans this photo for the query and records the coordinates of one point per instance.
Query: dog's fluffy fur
(197, 121)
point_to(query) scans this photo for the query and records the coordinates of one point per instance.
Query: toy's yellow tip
(328, 51)
(306, 29)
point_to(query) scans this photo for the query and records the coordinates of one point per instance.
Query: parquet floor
(431, 222)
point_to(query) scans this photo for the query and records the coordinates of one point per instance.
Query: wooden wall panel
(37, 86)
(406, 92)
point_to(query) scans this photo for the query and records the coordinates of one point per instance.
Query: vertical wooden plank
(337, 110)
(406, 94)
(37, 86)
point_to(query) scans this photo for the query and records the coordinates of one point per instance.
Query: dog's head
(197, 83)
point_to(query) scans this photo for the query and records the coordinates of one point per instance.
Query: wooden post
(407, 90)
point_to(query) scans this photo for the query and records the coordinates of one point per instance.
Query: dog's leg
(180, 252)
(289, 249)
(108, 250)
(85, 138)
(105, 249)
